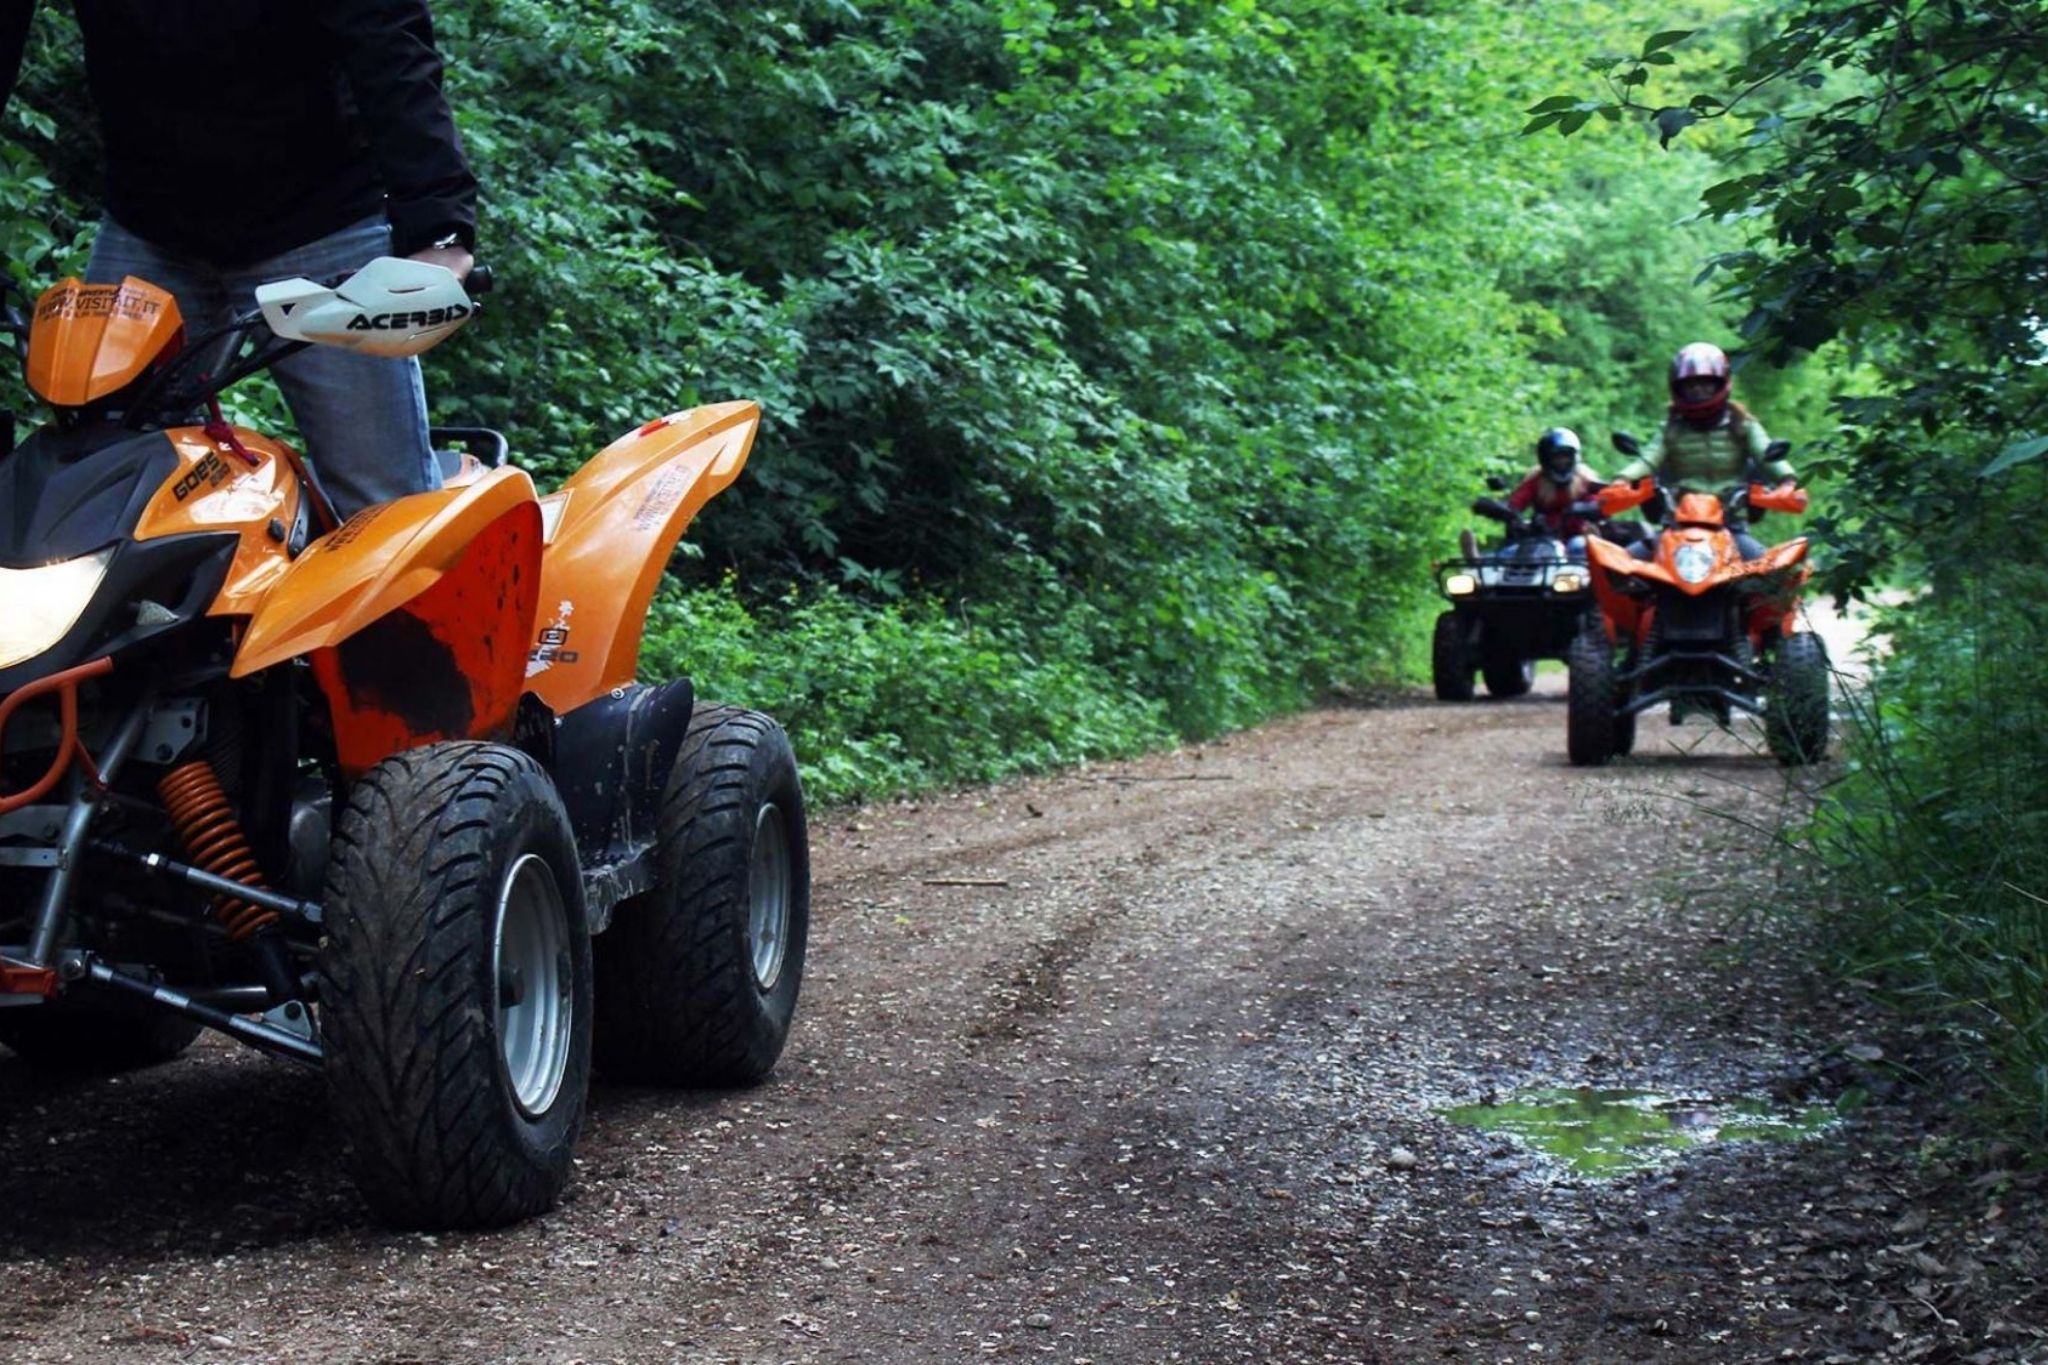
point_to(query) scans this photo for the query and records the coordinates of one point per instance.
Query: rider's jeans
(363, 418)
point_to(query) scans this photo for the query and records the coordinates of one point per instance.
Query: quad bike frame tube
(1645, 702)
(254, 1032)
(305, 911)
(69, 750)
(57, 892)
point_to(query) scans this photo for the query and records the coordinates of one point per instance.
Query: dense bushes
(900, 698)
(1938, 838)
(1147, 351)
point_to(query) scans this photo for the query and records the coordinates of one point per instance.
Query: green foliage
(1939, 833)
(1167, 340)
(886, 699)
(1889, 165)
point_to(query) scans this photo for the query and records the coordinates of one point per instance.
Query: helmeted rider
(259, 140)
(1559, 479)
(1708, 441)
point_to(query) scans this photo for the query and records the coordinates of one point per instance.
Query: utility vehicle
(381, 796)
(1686, 620)
(1512, 604)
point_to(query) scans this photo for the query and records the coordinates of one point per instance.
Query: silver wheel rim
(530, 964)
(768, 896)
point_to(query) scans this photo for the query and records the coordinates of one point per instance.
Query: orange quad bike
(1686, 620)
(381, 796)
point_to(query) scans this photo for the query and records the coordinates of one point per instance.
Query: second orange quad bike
(1688, 621)
(382, 796)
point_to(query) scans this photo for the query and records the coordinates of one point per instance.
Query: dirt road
(1169, 1091)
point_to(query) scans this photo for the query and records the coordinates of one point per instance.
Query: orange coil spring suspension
(213, 836)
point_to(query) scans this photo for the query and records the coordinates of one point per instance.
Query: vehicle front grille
(1693, 620)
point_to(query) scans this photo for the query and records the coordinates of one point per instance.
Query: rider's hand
(455, 258)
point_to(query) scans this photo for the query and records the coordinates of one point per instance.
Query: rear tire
(1591, 725)
(1510, 677)
(455, 987)
(1796, 704)
(698, 979)
(94, 1037)
(1450, 663)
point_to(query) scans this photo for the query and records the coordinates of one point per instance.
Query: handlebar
(1786, 497)
(209, 364)
(1748, 498)
(1617, 498)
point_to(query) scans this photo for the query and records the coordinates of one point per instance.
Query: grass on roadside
(1938, 837)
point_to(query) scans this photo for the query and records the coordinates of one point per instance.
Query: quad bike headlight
(1693, 562)
(37, 606)
(1568, 580)
(1461, 585)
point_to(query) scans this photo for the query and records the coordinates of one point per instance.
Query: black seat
(451, 443)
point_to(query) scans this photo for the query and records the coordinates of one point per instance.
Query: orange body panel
(1698, 509)
(1620, 613)
(90, 340)
(1628, 617)
(611, 529)
(1617, 498)
(375, 563)
(215, 489)
(448, 664)
(1784, 498)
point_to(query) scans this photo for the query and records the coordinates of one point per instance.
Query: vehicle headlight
(1694, 563)
(1568, 580)
(1461, 585)
(37, 606)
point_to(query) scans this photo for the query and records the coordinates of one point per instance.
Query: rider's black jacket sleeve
(14, 17)
(387, 54)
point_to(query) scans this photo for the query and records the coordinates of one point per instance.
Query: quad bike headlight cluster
(1568, 580)
(1461, 585)
(37, 606)
(1693, 562)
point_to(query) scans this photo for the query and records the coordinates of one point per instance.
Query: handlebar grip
(479, 281)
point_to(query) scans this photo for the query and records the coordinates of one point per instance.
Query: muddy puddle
(1613, 1132)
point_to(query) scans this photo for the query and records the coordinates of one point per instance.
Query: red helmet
(1701, 360)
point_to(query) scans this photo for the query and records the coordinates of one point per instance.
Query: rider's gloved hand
(456, 257)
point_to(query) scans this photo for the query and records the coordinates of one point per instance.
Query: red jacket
(1552, 500)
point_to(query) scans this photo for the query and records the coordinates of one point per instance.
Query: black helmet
(1557, 450)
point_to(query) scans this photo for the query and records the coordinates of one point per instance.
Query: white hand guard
(391, 307)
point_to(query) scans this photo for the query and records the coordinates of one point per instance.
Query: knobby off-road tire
(94, 1037)
(697, 980)
(1450, 664)
(1590, 720)
(455, 987)
(1796, 705)
(1509, 677)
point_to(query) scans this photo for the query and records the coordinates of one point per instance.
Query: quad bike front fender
(611, 529)
(414, 614)
(1609, 562)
